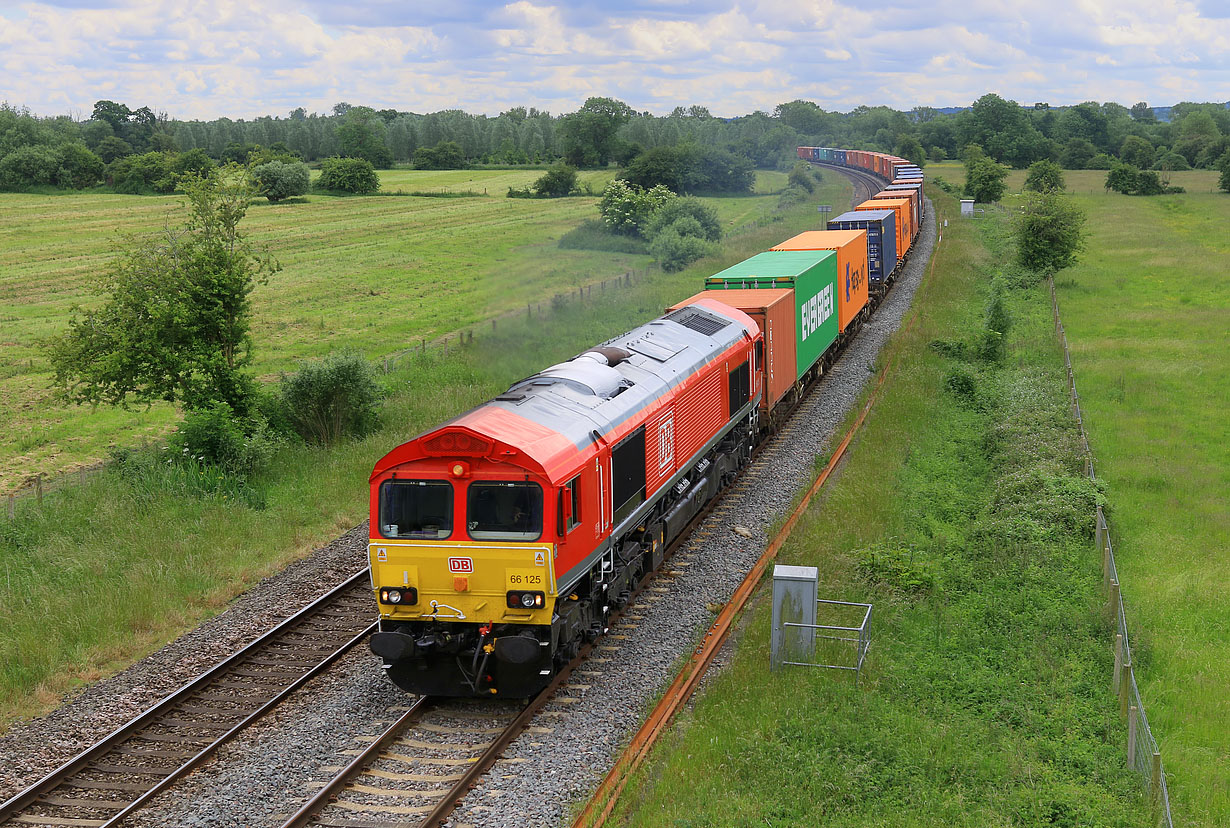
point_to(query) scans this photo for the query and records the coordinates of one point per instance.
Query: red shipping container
(773, 310)
(852, 272)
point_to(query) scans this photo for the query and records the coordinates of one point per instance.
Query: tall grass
(985, 699)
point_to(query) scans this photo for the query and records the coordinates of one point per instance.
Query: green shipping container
(812, 275)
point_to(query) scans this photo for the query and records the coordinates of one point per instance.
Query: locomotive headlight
(526, 600)
(399, 595)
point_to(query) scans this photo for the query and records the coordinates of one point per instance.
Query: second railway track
(124, 770)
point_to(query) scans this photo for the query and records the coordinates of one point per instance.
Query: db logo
(461, 566)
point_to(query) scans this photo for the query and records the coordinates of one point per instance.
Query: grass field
(962, 515)
(142, 553)
(376, 273)
(1147, 312)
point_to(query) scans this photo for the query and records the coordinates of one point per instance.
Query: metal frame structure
(862, 642)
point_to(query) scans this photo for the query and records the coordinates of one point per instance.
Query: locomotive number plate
(461, 566)
(526, 579)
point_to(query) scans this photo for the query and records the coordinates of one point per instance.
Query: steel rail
(605, 797)
(81, 762)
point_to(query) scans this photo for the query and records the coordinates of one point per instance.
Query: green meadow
(378, 273)
(962, 514)
(144, 551)
(1147, 313)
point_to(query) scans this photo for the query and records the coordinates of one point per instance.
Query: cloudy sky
(244, 59)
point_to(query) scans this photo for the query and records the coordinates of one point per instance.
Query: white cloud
(249, 59)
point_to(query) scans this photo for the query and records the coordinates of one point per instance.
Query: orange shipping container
(905, 223)
(915, 205)
(773, 310)
(851, 249)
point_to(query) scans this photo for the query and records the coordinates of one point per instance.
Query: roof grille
(698, 321)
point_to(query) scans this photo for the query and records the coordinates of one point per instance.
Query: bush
(801, 177)
(28, 166)
(674, 252)
(559, 180)
(334, 398)
(790, 197)
(1122, 178)
(1173, 162)
(278, 180)
(708, 225)
(348, 175)
(150, 171)
(984, 180)
(446, 155)
(216, 435)
(688, 168)
(627, 209)
(78, 167)
(1101, 161)
(1049, 232)
(1223, 164)
(193, 162)
(1148, 183)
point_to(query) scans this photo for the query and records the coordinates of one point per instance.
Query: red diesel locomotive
(501, 541)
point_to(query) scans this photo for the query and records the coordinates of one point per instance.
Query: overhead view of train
(502, 540)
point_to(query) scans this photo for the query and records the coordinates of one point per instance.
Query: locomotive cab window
(504, 511)
(421, 509)
(569, 506)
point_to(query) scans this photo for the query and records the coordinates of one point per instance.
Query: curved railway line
(415, 772)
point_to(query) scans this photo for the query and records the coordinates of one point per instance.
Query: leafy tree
(559, 180)
(362, 135)
(175, 324)
(1223, 164)
(115, 114)
(984, 180)
(1171, 161)
(1049, 232)
(1141, 111)
(348, 175)
(804, 117)
(589, 133)
(143, 173)
(1076, 154)
(703, 218)
(1137, 151)
(111, 148)
(1044, 176)
(1003, 130)
(1101, 161)
(193, 162)
(627, 208)
(1196, 131)
(909, 148)
(277, 180)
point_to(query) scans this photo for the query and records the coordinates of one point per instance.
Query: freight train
(502, 540)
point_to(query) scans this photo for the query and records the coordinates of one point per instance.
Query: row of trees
(604, 130)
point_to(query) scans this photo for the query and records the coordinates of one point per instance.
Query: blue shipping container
(881, 227)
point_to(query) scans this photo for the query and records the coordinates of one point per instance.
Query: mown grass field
(376, 273)
(962, 515)
(138, 555)
(1147, 312)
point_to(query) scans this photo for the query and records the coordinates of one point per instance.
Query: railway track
(121, 772)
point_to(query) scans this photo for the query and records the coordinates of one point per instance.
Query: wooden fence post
(1114, 602)
(1106, 559)
(1125, 687)
(1131, 756)
(1097, 531)
(1118, 663)
(1157, 775)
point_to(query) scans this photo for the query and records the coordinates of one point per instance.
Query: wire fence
(1143, 755)
(35, 488)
